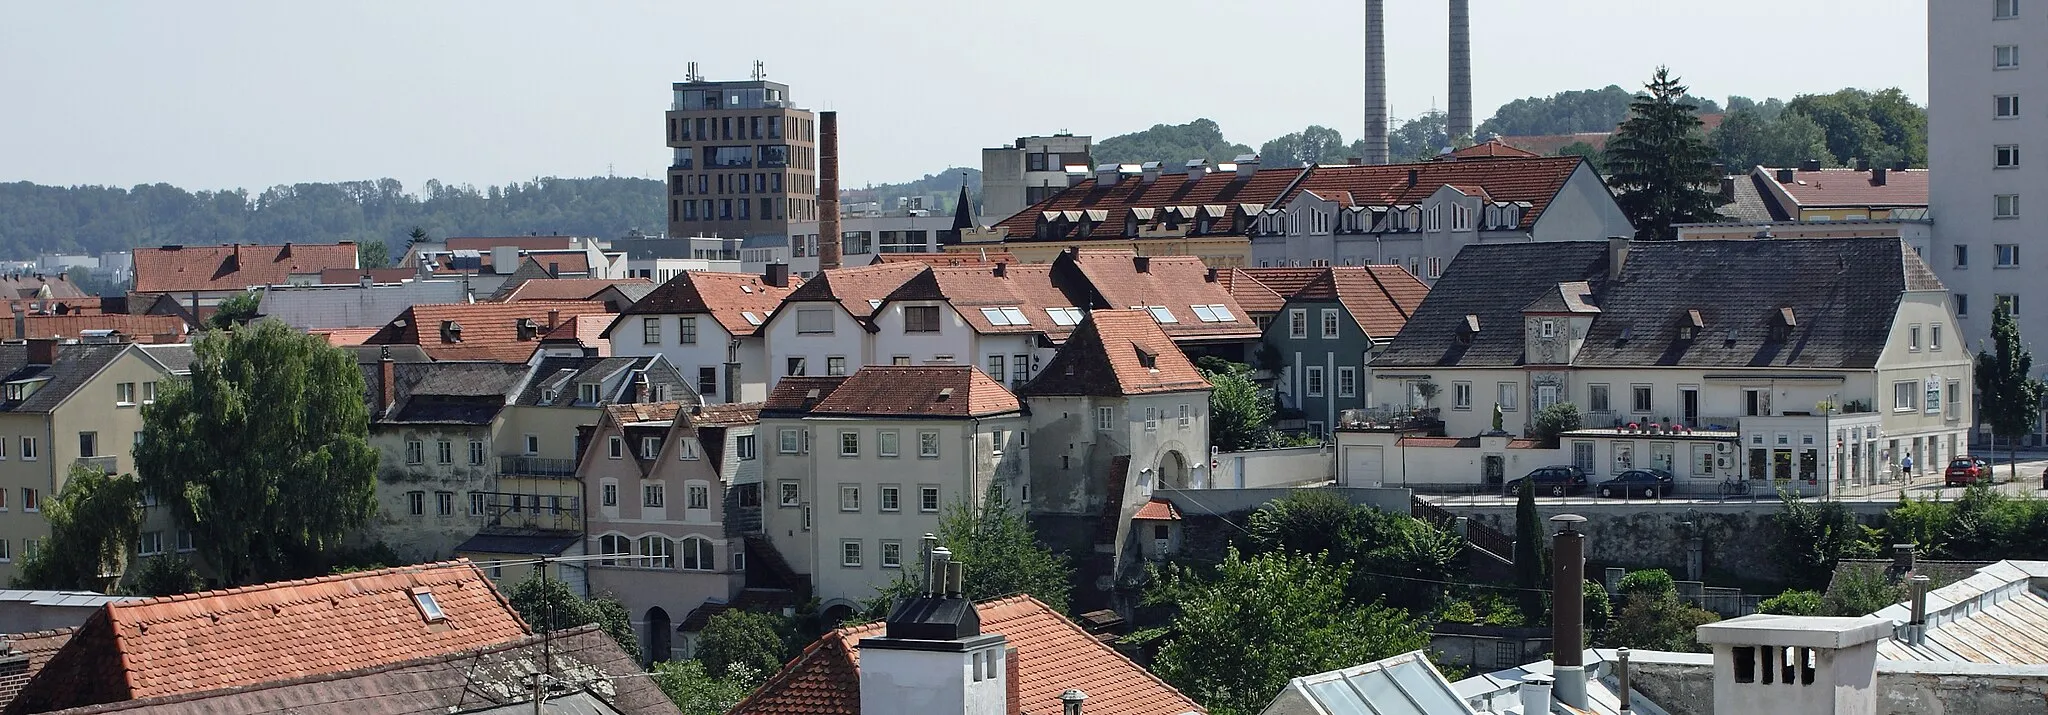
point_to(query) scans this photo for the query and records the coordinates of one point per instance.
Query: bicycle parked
(1735, 487)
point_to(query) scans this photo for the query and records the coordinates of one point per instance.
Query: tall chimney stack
(1375, 82)
(829, 234)
(1568, 610)
(1460, 120)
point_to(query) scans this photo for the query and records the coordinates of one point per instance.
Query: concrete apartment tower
(1375, 82)
(1029, 170)
(1459, 122)
(1990, 209)
(745, 159)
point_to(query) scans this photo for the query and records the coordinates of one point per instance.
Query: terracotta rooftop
(173, 269)
(1027, 288)
(1262, 291)
(489, 331)
(1121, 279)
(1053, 654)
(1379, 298)
(138, 328)
(586, 330)
(797, 395)
(1535, 180)
(567, 288)
(344, 336)
(1849, 187)
(728, 414)
(1159, 510)
(726, 297)
(984, 258)
(524, 243)
(352, 276)
(859, 289)
(1489, 149)
(263, 634)
(1116, 353)
(919, 391)
(1225, 191)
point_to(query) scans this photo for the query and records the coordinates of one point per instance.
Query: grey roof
(174, 358)
(562, 374)
(525, 542)
(75, 364)
(71, 599)
(402, 352)
(1997, 616)
(1497, 693)
(1753, 202)
(1493, 282)
(635, 291)
(445, 392)
(1842, 293)
(355, 306)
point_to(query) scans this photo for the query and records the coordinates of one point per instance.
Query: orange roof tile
(1115, 353)
(173, 269)
(800, 394)
(490, 331)
(1176, 283)
(1379, 298)
(139, 328)
(1263, 290)
(1849, 187)
(1489, 149)
(729, 414)
(262, 634)
(1053, 654)
(343, 337)
(1027, 287)
(1536, 181)
(726, 297)
(566, 288)
(585, 330)
(351, 276)
(1159, 510)
(984, 258)
(1222, 188)
(919, 391)
(857, 289)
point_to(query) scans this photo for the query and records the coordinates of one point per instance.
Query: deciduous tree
(93, 521)
(263, 455)
(2008, 394)
(1661, 165)
(1315, 145)
(547, 604)
(1240, 413)
(235, 311)
(697, 692)
(758, 641)
(1000, 553)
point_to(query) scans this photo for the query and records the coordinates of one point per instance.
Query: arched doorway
(659, 633)
(835, 614)
(1173, 471)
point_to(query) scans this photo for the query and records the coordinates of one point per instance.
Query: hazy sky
(208, 94)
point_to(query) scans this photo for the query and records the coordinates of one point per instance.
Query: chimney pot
(1621, 679)
(1212, 274)
(1535, 692)
(1785, 176)
(1877, 176)
(1728, 188)
(1918, 628)
(1106, 175)
(1070, 701)
(554, 319)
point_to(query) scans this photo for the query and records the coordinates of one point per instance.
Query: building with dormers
(1206, 212)
(709, 326)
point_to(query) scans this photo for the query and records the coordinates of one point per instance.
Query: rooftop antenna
(760, 70)
(690, 75)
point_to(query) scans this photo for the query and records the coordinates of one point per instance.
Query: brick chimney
(387, 375)
(829, 233)
(42, 351)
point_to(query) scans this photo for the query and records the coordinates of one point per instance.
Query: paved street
(1926, 485)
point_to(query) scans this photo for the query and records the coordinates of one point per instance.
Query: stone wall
(1736, 540)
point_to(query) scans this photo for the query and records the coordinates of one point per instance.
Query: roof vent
(1247, 165)
(451, 331)
(1810, 165)
(1106, 174)
(1197, 168)
(1785, 176)
(1150, 171)
(1142, 263)
(945, 393)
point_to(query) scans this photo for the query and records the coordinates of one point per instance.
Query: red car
(1964, 471)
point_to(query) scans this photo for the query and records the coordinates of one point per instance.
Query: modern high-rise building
(1027, 171)
(1987, 91)
(745, 159)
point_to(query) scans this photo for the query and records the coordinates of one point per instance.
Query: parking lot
(1925, 484)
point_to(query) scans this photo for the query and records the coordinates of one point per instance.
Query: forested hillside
(38, 219)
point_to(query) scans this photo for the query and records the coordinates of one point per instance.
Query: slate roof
(139, 328)
(1379, 298)
(1106, 357)
(1223, 189)
(444, 392)
(931, 391)
(1493, 281)
(490, 331)
(1053, 654)
(1027, 287)
(562, 374)
(725, 296)
(268, 633)
(1842, 292)
(1110, 278)
(1754, 201)
(1534, 180)
(567, 288)
(76, 363)
(859, 289)
(174, 358)
(176, 269)
(1849, 187)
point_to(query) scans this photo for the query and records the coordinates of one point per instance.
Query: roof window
(1064, 316)
(1214, 314)
(1006, 316)
(451, 331)
(430, 609)
(1159, 313)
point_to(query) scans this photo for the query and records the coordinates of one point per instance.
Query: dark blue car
(1638, 482)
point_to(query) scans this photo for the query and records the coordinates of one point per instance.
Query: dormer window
(1549, 329)
(451, 331)
(1468, 329)
(1147, 360)
(1692, 326)
(587, 393)
(547, 394)
(1783, 324)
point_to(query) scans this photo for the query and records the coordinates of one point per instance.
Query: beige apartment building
(745, 159)
(65, 404)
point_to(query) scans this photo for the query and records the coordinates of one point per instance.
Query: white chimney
(1247, 164)
(1197, 168)
(1105, 174)
(1535, 692)
(1810, 665)
(932, 656)
(1150, 171)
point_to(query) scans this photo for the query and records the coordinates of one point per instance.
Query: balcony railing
(106, 465)
(532, 511)
(522, 465)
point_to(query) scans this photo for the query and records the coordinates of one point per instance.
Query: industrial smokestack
(1460, 120)
(829, 234)
(1568, 609)
(1375, 82)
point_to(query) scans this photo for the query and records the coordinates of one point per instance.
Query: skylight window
(430, 609)
(1160, 314)
(1006, 316)
(1064, 316)
(752, 319)
(1213, 314)
(744, 288)
(1016, 316)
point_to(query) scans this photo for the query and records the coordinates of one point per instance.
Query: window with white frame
(1549, 328)
(1640, 399)
(786, 493)
(686, 449)
(891, 498)
(650, 447)
(849, 553)
(1955, 399)
(698, 554)
(1506, 394)
(415, 451)
(1597, 398)
(928, 499)
(928, 444)
(477, 504)
(28, 444)
(2005, 106)
(1330, 323)
(650, 330)
(2008, 255)
(2006, 156)
(1913, 338)
(892, 554)
(476, 453)
(1312, 381)
(1187, 418)
(849, 443)
(657, 552)
(789, 441)
(2005, 9)
(1546, 395)
(1105, 418)
(2006, 206)
(444, 503)
(1347, 382)
(1934, 337)
(445, 450)
(2009, 301)
(1297, 323)
(687, 335)
(1461, 395)
(149, 543)
(849, 497)
(1151, 419)
(1905, 396)
(698, 494)
(416, 503)
(653, 494)
(887, 443)
(609, 493)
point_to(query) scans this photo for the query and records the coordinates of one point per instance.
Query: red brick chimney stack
(829, 234)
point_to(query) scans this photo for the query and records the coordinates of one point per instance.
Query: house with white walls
(708, 326)
(1004, 318)
(824, 328)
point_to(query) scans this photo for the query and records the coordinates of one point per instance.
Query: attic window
(587, 393)
(547, 394)
(451, 331)
(752, 319)
(1005, 316)
(744, 288)
(1160, 313)
(1467, 328)
(945, 393)
(1214, 314)
(1692, 325)
(429, 608)
(1064, 316)
(1147, 360)
(874, 304)
(1781, 329)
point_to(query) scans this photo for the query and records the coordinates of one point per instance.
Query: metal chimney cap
(1564, 520)
(1537, 679)
(1073, 695)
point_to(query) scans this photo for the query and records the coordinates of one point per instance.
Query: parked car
(1638, 482)
(1556, 481)
(1964, 471)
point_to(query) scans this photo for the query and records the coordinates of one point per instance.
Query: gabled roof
(1995, 615)
(1842, 293)
(1534, 180)
(443, 392)
(1489, 149)
(1111, 278)
(1264, 290)
(1379, 298)
(943, 391)
(490, 331)
(726, 297)
(174, 269)
(1849, 187)
(524, 243)
(1053, 654)
(52, 384)
(727, 414)
(1489, 283)
(860, 289)
(1567, 298)
(272, 632)
(1158, 509)
(566, 288)
(30, 286)
(561, 375)
(1028, 288)
(138, 328)
(1221, 188)
(798, 395)
(1108, 355)
(586, 331)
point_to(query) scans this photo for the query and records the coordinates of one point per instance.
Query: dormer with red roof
(497, 332)
(828, 327)
(1418, 215)
(708, 325)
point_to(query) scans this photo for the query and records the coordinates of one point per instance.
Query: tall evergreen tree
(1661, 164)
(2009, 397)
(1528, 553)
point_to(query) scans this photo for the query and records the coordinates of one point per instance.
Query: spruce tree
(1528, 554)
(2010, 396)
(1663, 168)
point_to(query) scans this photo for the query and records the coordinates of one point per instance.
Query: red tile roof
(984, 258)
(1107, 356)
(1223, 189)
(1053, 654)
(1549, 144)
(800, 394)
(262, 634)
(352, 276)
(175, 269)
(585, 330)
(1849, 187)
(566, 288)
(857, 289)
(1489, 149)
(1536, 181)
(1262, 291)
(1159, 510)
(1176, 283)
(729, 414)
(490, 331)
(1027, 287)
(1379, 298)
(138, 328)
(524, 243)
(919, 391)
(724, 296)
(342, 337)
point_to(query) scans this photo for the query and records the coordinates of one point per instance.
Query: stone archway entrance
(659, 633)
(1173, 470)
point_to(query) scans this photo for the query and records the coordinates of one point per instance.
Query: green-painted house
(1326, 332)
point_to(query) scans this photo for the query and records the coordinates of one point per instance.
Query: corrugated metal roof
(1405, 684)
(1996, 616)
